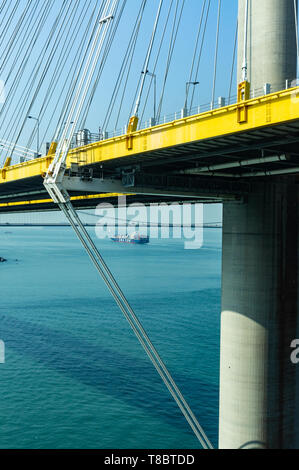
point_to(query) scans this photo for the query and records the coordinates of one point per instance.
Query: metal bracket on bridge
(54, 186)
(243, 96)
(130, 184)
(80, 180)
(128, 178)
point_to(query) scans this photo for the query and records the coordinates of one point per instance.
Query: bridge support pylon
(259, 320)
(259, 383)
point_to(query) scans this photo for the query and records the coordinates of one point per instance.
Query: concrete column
(271, 43)
(259, 384)
(259, 320)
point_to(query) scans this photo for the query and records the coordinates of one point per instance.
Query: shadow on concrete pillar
(259, 320)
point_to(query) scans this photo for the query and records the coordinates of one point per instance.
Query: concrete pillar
(271, 43)
(259, 384)
(259, 320)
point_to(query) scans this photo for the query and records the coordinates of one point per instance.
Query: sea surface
(75, 376)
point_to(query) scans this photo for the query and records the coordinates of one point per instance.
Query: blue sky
(179, 72)
(178, 75)
(182, 57)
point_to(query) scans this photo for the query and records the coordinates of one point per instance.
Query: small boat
(2, 260)
(133, 238)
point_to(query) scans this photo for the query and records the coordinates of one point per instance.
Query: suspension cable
(176, 24)
(69, 82)
(39, 21)
(200, 52)
(54, 40)
(12, 42)
(5, 29)
(10, 95)
(156, 61)
(126, 64)
(110, 39)
(133, 321)
(75, 70)
(24, 40)
(2, 6)
(245, 65)
(216, 53)
(129, 65)
(26, 29)
(195, 51)
(67, 132)
(78, 80)
(58, 29)
(147, 59)
(55, 29)
(69, 34)
(233, 63)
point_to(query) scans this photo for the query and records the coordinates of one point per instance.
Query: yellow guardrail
(268, 110)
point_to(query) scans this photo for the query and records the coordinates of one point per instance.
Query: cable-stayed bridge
(167, 161)
(238, 150)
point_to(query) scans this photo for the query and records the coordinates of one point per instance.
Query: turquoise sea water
(74, 374)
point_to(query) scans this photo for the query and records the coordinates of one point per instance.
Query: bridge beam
(259, 319)
(159, 185)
